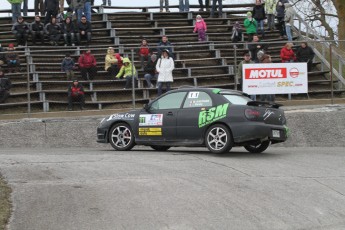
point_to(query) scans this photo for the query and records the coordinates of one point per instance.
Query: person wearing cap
(206, 6)
(165, 65)
(5, 86)
(37, 30)
(250, 24)
(68, 31)
(200, 27)
(21, 31)
(184, 6)
(87, 65)
(76, 94)
(246, 60)
(259, 15)
(220, 8)
(111, 62)
(16, 9)
(84, 31)
(67, 66)
(164, 44)
(128, 72)
(12, 59)
(53, 30)
(150, 71)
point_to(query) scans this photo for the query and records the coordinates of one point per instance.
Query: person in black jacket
(150, 71)
(259, 15)
(37, 30)
(53, 30)
(255, 47)
(21, 30)
(68, 31)
(5, 86)
(305, 54)
(76, 94)
(51, 8)
(280, 17)
(84, 31)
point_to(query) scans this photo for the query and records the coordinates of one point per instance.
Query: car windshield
(237, 99)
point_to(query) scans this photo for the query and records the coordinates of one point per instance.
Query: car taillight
(252, 114)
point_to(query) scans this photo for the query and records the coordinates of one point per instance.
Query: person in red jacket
(87, 65)
(287, 54)
(144, 53)
(76, 94)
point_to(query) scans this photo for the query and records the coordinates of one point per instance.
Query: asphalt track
(183, 188)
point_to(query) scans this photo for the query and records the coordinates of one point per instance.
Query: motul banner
(275, 78)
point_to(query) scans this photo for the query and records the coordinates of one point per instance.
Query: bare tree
(339, 5)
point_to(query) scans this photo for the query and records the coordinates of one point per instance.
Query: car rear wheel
(218, 139)
(257, 148)
(160, 148)
(121, 137)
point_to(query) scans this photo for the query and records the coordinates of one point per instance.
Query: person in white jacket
(165, 66)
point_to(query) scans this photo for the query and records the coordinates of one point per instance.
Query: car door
(158, 122)
(188, 117)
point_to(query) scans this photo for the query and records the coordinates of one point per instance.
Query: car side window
(197, 99)
(170, 101)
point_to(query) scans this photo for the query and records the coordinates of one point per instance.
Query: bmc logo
(266, 73)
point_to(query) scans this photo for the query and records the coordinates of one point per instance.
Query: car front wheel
(121, 137)
(257, 148)
(218, 139)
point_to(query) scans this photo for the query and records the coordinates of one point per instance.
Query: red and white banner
(275, 78)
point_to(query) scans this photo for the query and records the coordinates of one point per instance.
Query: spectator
(220, 8)
(5, 86)
(12, 59)
(305, 54)
(15, 6)
(165, 66)
(287, 54)
(39, 7)
(206, 6)
(255, 47)
(259, 15)
(270, 11)
(184, 6)
(236, 35)
(37, 30)
(52, 9)
(78, 7)
(84, 31)
(164, 44)
(68, 31)
(150, 71)
(21, 31)
(67, 66)
(25, 8)
(87, 65)
(144, 53)
(265, 58)
(119, 60)
(280, 17)
(105, 3)
(250, 24)
(85, 10)
(53, 31)
(128, 72)
(166, 5)
(2, 56)
(62, 6)
(246, 60)
(111, 63)
(200, 27)
(289, 20)
(76, 94)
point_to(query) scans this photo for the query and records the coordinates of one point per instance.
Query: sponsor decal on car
(193, 95)
(123, 116)
(151, 120)
(150, 131)
(213, 114)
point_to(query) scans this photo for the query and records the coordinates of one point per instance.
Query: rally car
(192, 117)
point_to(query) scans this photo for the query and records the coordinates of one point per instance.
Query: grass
(5, 203)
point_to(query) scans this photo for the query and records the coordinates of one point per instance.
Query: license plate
(276, 133)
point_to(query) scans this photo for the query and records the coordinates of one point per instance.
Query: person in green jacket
(16, 8)
(128, 71)
(250, 24)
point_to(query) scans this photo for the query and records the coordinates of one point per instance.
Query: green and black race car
(193, 117)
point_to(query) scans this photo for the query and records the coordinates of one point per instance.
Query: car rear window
(237, 99)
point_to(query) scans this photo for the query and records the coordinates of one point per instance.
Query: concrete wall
(314, 126)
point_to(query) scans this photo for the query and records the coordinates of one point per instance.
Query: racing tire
(218, 139)
(160, 148)
(121, 137)
(257, 148)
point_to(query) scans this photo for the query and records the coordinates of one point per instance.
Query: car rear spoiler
(264, 103)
